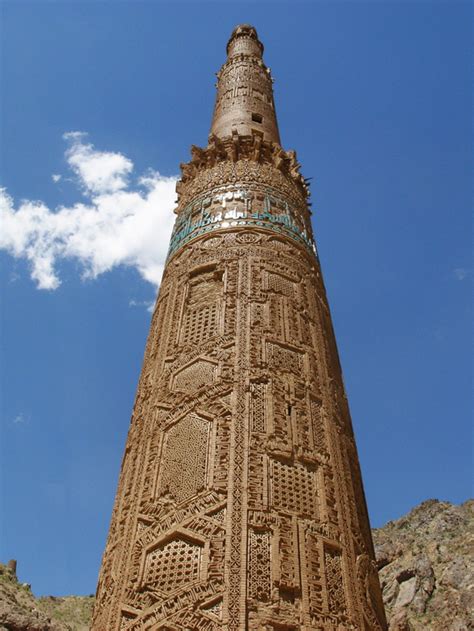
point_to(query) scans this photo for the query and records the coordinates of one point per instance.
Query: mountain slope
(426, 567)
(21, 611)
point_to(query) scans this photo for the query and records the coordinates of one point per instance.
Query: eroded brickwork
(240, 504)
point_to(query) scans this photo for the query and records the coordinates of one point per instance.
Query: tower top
(244, 100)
(244, 40)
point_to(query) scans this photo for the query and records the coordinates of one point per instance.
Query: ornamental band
(240, 502)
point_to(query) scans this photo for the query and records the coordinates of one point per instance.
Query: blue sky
(374, 97)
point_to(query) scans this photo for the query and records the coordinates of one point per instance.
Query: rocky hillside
(21, 611)
(426, 571)
(426, 568)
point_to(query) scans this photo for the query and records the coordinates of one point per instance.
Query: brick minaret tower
(240, 503)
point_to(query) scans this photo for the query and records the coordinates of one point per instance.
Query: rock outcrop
(426, 568)
(21, 611)
(425, 563)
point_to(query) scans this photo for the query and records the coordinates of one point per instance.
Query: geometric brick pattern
(193, 377)
(172, 565)
(184, 458)
(259, 565)
(293, 488)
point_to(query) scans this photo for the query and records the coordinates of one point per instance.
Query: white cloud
(460, 273)
(99, 172)
(20, 419)
(121, 223)
(56, 177)
(148, 304)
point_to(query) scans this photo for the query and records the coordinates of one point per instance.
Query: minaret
(244, 100)
(240, 504)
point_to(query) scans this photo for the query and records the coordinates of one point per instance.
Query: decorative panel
(200, 324)
(201, 316)
(280, 285)
(319, 431)
(184, 458)
(314, 576)
(288, 555)
(257, 406)
(334, 580)
(284, 358)
(293, 488)
(259, 565)
(194, 376)
(172, 565)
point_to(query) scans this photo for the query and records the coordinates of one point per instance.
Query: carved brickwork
(289, 561)
(200, 373)
(240, 503)
(184, 459)
(334, 581)
(292, 488)
(258, 407)
(201, 315)
(283, 358)
(315, 590)
(172, 565)
(259, 569)
(244, 90)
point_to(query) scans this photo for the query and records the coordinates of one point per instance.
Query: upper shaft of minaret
(244, 101)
